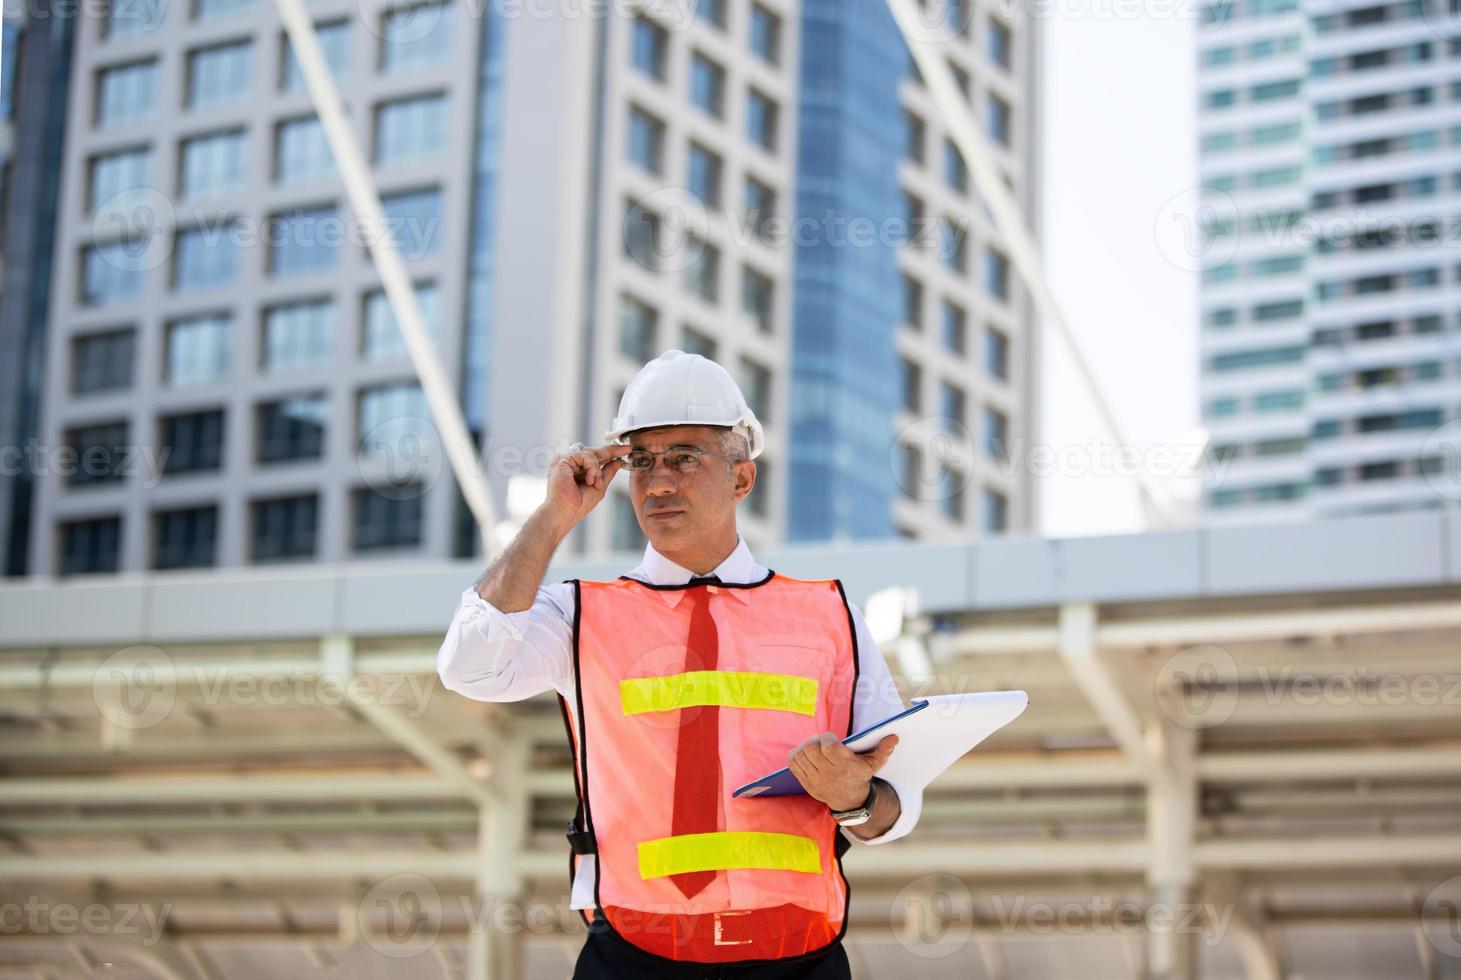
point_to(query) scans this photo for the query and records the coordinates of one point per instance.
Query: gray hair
(734, 443)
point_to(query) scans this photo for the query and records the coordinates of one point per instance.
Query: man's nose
(661, 482)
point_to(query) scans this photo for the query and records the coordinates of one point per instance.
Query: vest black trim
(693, 585)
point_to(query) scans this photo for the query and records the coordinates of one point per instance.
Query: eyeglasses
(680, 459)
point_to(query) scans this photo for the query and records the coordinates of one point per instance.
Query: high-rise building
(573, 192)
(1331, 293)
(34, 73)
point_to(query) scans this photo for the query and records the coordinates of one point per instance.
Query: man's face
(677, 510)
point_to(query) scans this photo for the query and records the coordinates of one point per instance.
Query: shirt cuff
(494, 624)
(910, 802)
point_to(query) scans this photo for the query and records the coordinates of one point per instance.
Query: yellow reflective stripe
(727, 849)
(731, 688)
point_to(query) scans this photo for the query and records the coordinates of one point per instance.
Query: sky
(1120, 167)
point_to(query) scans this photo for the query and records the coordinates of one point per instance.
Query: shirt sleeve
(491, 655)
(876, 698)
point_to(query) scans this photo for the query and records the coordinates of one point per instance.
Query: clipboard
(933, 734)
(784, 783)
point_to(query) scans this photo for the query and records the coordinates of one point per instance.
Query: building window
(193, 441)
(126, 93)
(650, 43)
(218, 75)
(297, 335)
(705, 172)
(707, 85)
(711, 11)
(212, 164)
(912, 302)
(284, 528)
(956, 172)
(765, 34)
(646, 140)
(291, 429)
(996, 434)
(115, 180)
(387, 521)
(124, 18)
(912, 475)
(402, 406)
(996, 354)
(951, 492)
(211, 9)
(996, 512)
(334, 38)
(954, 327)
(204, 258)
(185, 538)
(102, 362)
(951, 407)
(759, 500)
(999, 44)
(996, 275)
(758, 298)
(381, 337)
(91, 546)
(197, 350)
(760, 203)
(961, 78)
(303, 241)
(627, 535)
(756, 383)
(952, 251)
(112, 273)
(761, 113)
(693, 341)
(301, 151)
(638, 324)
(410, 129)
(413, 220)
(913, 212)
(914, 136)
(100, 452)
(416, 36)
(642, 236)
(702, 275)
(999, 119)
(912, 384)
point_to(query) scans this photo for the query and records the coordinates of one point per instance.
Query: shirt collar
(738, 568)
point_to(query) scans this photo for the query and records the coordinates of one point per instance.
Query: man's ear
(745, 479)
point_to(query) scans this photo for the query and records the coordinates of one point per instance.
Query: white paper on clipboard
(931, 740)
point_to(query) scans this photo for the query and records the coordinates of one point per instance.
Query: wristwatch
(851, 818)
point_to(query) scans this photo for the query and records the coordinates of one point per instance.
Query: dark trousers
(606, 955)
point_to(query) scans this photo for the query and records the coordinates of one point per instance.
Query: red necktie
(697, 754)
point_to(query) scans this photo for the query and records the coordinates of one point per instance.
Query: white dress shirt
(491, 655)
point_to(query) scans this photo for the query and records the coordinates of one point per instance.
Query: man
(696, 673)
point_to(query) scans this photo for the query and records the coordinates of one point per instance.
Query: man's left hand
(834, 774)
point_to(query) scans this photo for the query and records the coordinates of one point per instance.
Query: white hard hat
(677, 388)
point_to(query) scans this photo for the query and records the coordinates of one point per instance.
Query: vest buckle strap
(581, 841)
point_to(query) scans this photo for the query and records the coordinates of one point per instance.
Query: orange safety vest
(785, 670)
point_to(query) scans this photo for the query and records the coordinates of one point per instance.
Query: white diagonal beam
(337, 659)
(1079, 651)
(400, 293)
(1003, 209)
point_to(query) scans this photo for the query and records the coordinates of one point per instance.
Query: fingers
(878, 757)
(591, 466)
(608, 452)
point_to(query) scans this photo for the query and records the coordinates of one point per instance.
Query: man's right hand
(578, 481)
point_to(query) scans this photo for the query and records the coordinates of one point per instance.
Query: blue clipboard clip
(784, 783)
